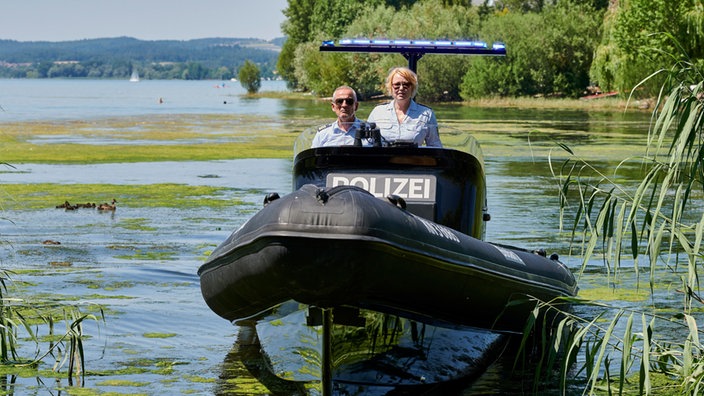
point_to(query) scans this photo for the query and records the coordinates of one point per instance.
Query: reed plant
(657, 226)
(22, 321)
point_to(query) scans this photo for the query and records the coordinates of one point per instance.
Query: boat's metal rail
(451, 137)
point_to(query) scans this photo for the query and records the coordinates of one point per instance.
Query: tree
(641, 36)
(556, 61)
(310, 20)
(250, 77)
(431, 19)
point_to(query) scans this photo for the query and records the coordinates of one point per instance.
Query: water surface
(140, 263)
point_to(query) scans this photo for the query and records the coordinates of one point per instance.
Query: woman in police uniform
(403, 118)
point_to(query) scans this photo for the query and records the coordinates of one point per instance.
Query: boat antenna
(413, 50)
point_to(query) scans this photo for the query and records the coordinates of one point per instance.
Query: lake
(139, 263)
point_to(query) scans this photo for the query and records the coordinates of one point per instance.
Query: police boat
(374, 269)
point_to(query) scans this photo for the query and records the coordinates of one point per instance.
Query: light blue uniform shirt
(419, 125)
(333, 135)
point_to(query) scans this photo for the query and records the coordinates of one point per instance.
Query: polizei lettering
(410, 188)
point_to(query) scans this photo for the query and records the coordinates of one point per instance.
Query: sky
(54, 20)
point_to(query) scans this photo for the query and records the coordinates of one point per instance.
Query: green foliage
(440, 75)
(309, 21)
(249, 77)
(284, 65)
(521, 6)
(555, 48)
(556, 61)
(638, 40)
(331, 18)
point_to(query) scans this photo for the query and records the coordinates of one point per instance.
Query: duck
(107, 206)
(64, 205)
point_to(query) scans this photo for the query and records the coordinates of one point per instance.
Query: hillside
(115, 57)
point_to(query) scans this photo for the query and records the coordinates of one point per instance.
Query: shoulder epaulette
(320, 128)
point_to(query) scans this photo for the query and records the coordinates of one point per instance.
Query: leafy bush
(249, 77)
(554, 62)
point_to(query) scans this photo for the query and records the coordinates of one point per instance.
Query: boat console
(444, 185)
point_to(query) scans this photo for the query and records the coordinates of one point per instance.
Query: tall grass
(21, 321)
(656, 224)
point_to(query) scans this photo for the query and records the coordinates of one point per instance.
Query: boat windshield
(451, 137)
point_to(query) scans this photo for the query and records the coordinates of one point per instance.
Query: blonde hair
(406, 73)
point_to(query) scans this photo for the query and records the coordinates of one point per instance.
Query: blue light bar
(472, 44)
(413, 50)
(424, 46)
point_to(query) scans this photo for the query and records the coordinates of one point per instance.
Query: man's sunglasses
(349, 101)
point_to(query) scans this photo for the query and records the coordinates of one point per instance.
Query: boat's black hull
(344, 247)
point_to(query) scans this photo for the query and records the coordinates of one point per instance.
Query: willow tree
(633, 42)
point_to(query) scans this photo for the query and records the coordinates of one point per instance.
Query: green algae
(77, 391)
(147, 138)
(121, 382)
(660, 384)
(136, 224)
(199, 379)
(48, 195)
(159, 335)
(148, 256)
(614, 294)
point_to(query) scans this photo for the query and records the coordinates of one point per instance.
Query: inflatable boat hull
(342, 246)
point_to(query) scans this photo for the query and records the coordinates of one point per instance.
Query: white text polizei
(412, 188)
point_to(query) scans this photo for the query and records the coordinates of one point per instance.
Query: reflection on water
(371, 353)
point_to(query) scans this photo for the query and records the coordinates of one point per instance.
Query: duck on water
(89, 205)
(346, 287)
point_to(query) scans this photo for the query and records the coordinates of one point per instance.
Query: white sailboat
(135, 76)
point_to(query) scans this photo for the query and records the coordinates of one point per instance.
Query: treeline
(211, 58)
(555, 48)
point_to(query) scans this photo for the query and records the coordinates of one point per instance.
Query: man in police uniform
(342, 131)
